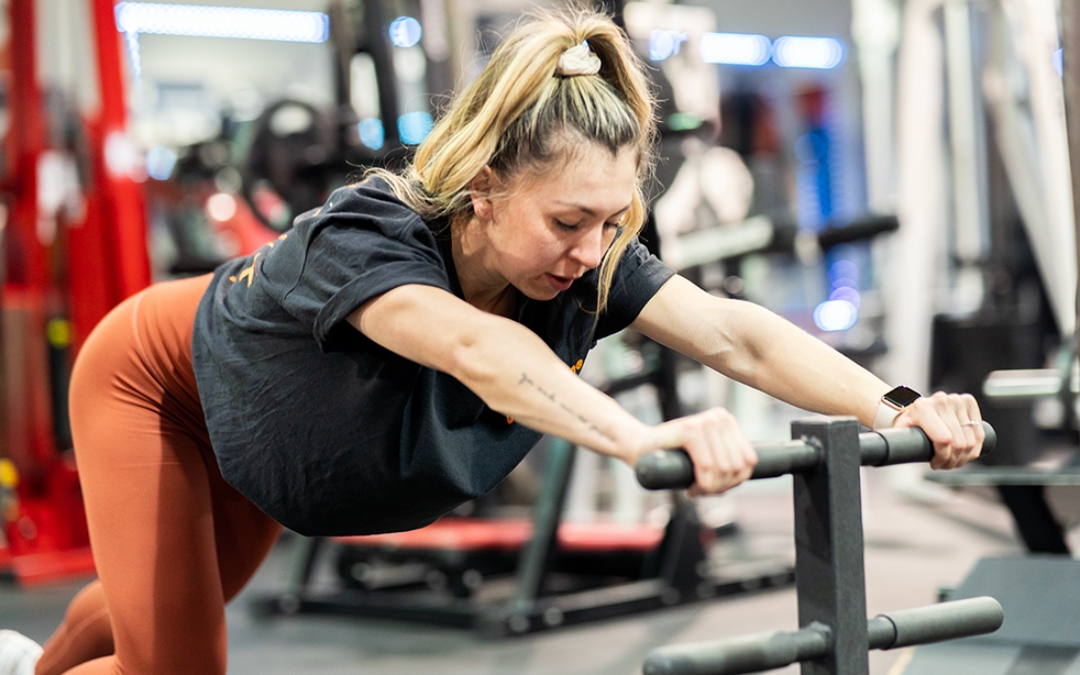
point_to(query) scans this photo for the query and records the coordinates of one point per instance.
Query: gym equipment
(297, 154)
(292, 161)
(1039, 596)
(835, 636)
(73, 239)
(547, 590)
(762, 234)
(1023, 485)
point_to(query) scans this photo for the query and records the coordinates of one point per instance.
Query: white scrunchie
(578, 60)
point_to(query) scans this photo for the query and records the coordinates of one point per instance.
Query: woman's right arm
(515, 373)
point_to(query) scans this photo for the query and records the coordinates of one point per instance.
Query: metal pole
(830, 579)
(1070, 20)
(774, 649)
(547, 514)
(967, 137)
(385, 74)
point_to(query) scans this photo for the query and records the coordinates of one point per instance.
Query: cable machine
(74, 245)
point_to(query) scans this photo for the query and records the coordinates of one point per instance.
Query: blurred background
(896, 177)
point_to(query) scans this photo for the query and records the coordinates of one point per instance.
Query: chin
(542, 296)
(539, 292)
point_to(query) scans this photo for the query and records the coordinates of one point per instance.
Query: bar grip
(672, 469)
(774, 649)
(935, 623)
(907, 446)
(745, 654)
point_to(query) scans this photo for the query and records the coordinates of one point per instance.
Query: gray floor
(914, 546)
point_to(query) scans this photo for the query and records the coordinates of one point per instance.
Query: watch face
(901, 397)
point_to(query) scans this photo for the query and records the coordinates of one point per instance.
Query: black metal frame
(835, 637)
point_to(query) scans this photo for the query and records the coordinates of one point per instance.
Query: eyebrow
(590, 212)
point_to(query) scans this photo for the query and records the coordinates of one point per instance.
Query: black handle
(672, 469)
(775, 649)
(935, 623)
(745, 654)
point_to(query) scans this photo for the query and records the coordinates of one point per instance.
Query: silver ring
(970, 423)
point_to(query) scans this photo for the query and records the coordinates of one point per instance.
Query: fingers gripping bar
(775, 649)
(672, 469)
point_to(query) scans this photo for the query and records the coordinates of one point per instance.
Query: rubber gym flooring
(915, 546)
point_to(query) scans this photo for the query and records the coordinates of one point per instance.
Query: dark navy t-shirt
(331, 434)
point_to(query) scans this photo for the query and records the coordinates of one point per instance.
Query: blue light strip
(224, 22)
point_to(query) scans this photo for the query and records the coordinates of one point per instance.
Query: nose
(588, 249)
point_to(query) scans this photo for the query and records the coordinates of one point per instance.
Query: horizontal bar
(745, 654)
(935, 623)
(1049, 476)
(672, 469)
(1026, 384)
(775, 649)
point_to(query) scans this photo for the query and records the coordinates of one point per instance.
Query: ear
(480, 188)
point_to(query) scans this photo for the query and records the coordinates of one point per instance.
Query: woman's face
(548, 230)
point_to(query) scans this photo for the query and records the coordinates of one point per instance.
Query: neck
(482, 289)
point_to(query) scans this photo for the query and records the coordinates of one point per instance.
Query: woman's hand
(953, 424)
(721, 455)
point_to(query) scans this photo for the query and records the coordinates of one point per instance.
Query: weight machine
(73, 244)
(835, 636)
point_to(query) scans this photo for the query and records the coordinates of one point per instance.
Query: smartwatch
(892, 404)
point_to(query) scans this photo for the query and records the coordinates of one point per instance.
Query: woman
(401, 349)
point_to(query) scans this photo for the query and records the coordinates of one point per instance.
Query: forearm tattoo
(527, 381)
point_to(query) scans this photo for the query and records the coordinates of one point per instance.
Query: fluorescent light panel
(736, 49)
(807, 52)
(665, 43)
(750, 49)
(225, 22)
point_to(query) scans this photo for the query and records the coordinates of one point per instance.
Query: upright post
(547, 514)
(829, 575)
(1070, 69)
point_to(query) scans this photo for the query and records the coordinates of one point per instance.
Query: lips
(560, 283)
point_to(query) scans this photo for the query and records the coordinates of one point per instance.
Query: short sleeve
(360, 244)
(637, 279)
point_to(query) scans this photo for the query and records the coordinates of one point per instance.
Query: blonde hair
(512, 117)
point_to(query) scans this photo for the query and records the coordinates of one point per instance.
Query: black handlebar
(672, 469)
(775, 649)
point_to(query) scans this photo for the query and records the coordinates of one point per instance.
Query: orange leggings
(172, 541)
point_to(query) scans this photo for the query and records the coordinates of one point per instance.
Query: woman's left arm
(752, 345)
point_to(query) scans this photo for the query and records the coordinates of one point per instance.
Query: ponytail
(511, 117)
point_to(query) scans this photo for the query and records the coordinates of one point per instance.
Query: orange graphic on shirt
(249, 271)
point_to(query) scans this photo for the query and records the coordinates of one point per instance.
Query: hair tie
(578, 60)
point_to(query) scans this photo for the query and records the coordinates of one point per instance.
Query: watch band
(886, 415)
(892, 404)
